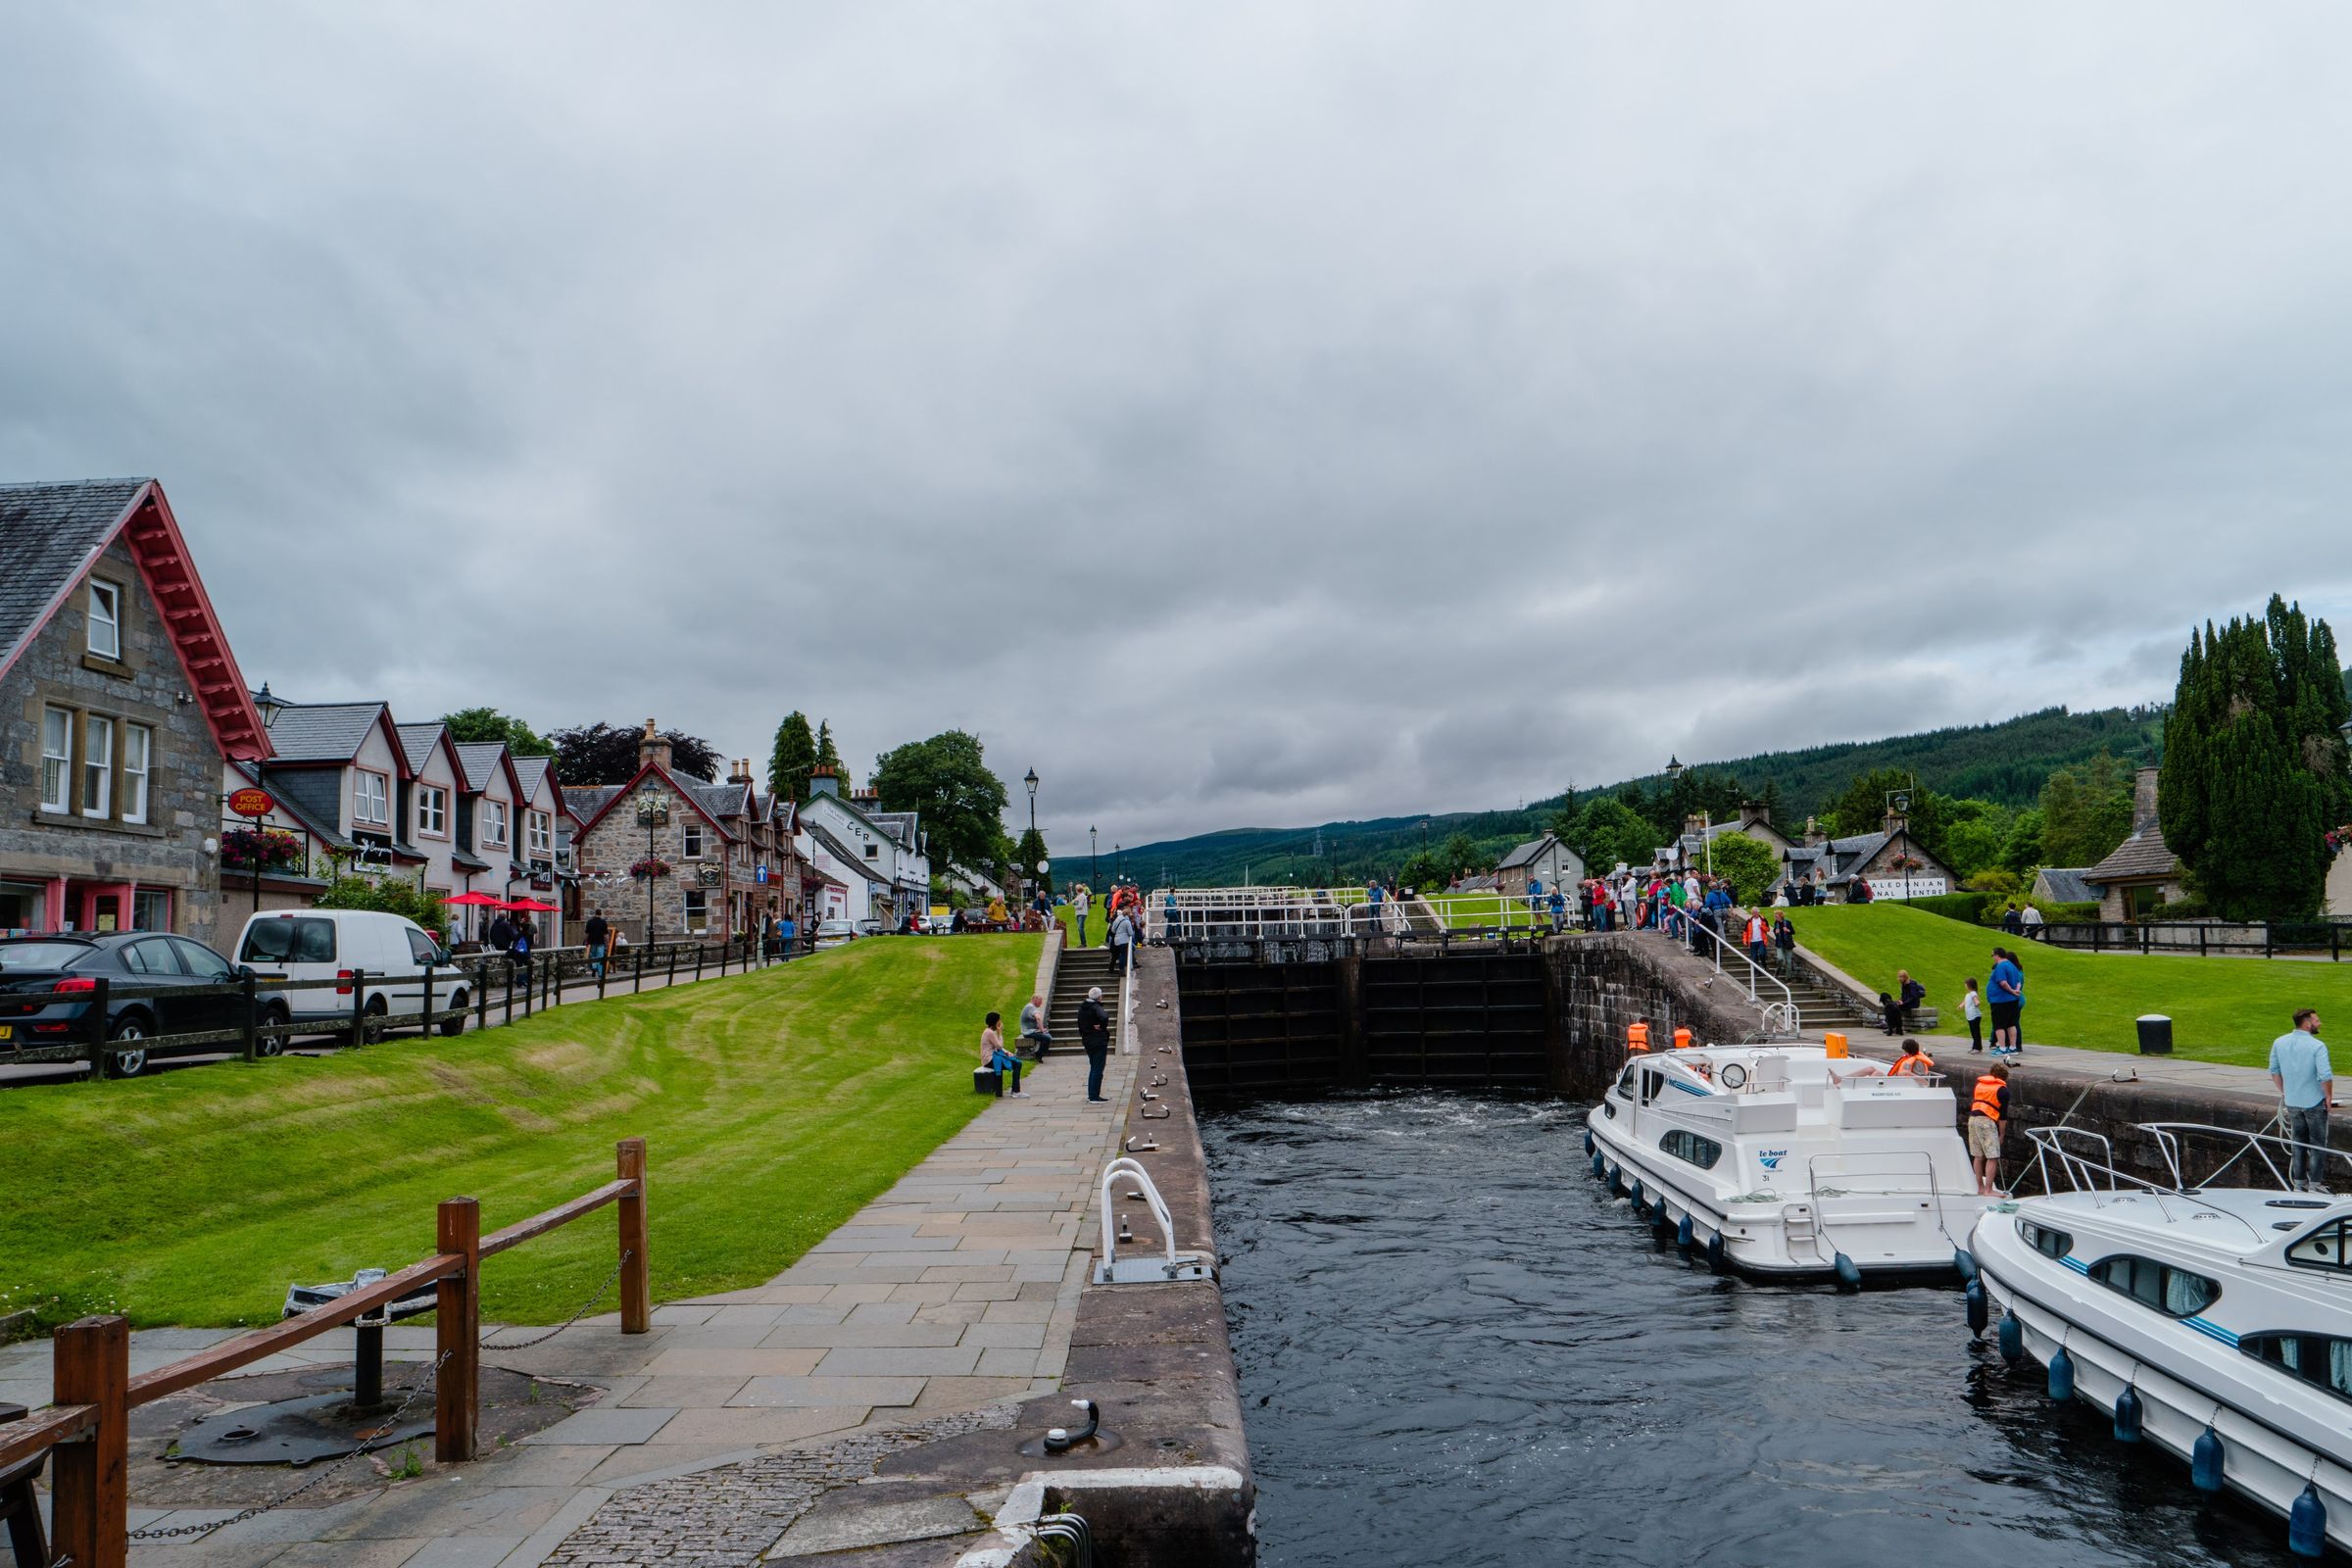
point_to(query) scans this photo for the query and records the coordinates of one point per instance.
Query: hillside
(2005, 761)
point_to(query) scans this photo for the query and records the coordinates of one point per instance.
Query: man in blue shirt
(2005, 988)
(2306, 1086)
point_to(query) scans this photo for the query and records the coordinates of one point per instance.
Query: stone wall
(145, 686)
(1602, 984)
(619, 842)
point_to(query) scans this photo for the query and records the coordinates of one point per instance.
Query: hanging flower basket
(245, 848)
(1905, 862)
(647, 869)
(2338, 840)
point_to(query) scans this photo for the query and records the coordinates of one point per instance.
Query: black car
(47, 985)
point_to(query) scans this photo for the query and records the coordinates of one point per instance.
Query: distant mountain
(2005, 762)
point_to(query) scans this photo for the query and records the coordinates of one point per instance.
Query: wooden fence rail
(85, 1430)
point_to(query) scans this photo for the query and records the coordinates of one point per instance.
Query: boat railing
(2273, 1155)
(2100, 1176)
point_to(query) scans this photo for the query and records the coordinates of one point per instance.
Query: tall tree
(795, 754)
(1606, 831)
(828, 754)
(1861, 807)
(606, 753)
(2254, 768)
(1030, 854)
(472, 724)
(946, 779)
(2086, 810)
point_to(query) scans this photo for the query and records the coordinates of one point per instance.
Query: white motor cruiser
(1787, 1163)
(2211, 1315)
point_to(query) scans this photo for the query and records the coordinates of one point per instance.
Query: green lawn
(1456, 911)
(774, 1104)
(2222, 1010)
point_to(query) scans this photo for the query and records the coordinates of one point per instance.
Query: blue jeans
(1096, 1058)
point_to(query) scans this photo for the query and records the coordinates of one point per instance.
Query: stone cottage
(655, 853)
(120, 701)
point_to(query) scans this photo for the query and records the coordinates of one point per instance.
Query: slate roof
(585, 800)
(721, 801)
(1526, 854)
(2144, 855)
(530, 770)
(2066, 884)
(323, 831)
(900, 825)
(48, 535)
(848, 857)
(322, 732)
(416, 741)
(478, 761)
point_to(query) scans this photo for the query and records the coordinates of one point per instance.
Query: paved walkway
(954, 1291)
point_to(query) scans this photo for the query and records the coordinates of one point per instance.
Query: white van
(330, 943)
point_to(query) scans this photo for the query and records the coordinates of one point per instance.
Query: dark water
(1455, 1350)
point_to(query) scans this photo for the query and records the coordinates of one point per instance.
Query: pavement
(932, 1311)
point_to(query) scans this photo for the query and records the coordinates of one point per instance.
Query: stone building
(2142, 871)
(657, 819)
(119, 702)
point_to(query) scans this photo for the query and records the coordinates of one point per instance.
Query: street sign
(250, 802)
(763, 875)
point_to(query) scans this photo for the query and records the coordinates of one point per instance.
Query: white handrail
(1774, 1012)
(1171, 1264)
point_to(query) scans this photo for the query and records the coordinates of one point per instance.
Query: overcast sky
(1241, 414)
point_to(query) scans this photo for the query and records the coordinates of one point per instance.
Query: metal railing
(2268, 939)
(1780, 1018)
(2100, 1176)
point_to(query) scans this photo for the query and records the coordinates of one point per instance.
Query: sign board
(763, 874)
(251, 802)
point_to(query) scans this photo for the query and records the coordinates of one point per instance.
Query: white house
(1543, 861)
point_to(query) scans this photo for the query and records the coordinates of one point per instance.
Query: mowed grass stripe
(774, 1103)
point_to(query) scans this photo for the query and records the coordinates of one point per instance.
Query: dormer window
(106, 618)
(494, 824)
(371, 796)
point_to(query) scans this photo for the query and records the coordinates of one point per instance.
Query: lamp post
(1899, 803)
(653, 809)
(1094, 861)
(1031, 781)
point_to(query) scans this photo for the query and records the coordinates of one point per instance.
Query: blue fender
(1849, 1278)
(1966, 1263)
(1599, 1167)
(2307, 1523)
(1588, 1149)
(2205, 1461)
(1715, 1251)
(2062, 1375)
(1979, 1310)
(2128, 1415)
(1683, 1234)
(2012, 1339)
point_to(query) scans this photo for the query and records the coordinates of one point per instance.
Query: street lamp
(1094, 861)
(1031, 781)
(653, 809)
(266, 706)
(1706, 818)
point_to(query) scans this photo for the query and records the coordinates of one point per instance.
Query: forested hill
(2005, 762)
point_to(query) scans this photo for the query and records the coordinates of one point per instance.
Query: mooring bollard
(89, 1480)
(636, 1283)
(458, 1332)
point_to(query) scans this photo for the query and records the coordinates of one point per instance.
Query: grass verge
(774, 1106)
(2222, 1010)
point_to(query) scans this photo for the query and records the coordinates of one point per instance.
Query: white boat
(1783, 1162)
(2224, 1310)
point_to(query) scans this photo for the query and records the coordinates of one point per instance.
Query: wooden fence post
(359, 1007)
(89, 1480)
(424, 1023)
(636, 1285)
(481, 995)
(458, 1333)
(252, 1019)
(98, 1028)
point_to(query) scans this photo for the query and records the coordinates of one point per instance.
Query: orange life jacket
(1682, 1040)
(1920, 1065)
(1637, 1037)
(1988, 1100)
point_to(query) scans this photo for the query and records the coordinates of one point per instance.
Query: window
(56, 759)
(539, 829)
(202, 961)
(432, 812)
(693, 841)
(150, 957)
(494, 824)
(370, 798)
(698, 909)
(2168, 1289)
(97, 765)
(106, 619)
(2318, 1359)
(289, 941)
(1700, 1151)
(2044, 1240)
(151, 909)
(873, 852)
(420, 948)
(138, 746)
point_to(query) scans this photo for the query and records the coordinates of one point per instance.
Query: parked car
(48, 985)
(337, 944)
(835, 933)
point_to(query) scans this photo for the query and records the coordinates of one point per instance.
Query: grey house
(119, 705)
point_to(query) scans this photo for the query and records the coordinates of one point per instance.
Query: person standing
(1972, 1008)
(501, 932)
(519, 951)
(1080, 908)
(600, 937)
(1559, 909)
(1122, 939)
(2007, 989)
(1987, 1106)
(1758, 936)
(2306, 1085)
(788, 931)
(1094, 1034)
(2029, 922)
(1784, 940)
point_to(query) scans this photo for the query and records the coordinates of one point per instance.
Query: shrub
(2191, 907)
(1965, 906)
(2056, 912)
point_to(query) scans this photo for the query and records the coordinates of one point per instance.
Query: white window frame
(432, 812)
(494, 824)
(110, 595)
(56, 758)
(136, 780)
(696, 910)
(539, 832)
(97, 764)
(380, 796)
(690, 841)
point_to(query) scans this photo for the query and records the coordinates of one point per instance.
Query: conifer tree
(828, 754)
(794, 756)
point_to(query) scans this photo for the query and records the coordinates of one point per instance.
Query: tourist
(1094, 1034)
(1122, 939)
(1559, 909)
(1909, 993)
(995, 1057)
(1972, 1008)
(1080, 908)
(501, 932)
(2011, 921)
(1374, 896)
(2007, 990)
(2029, 922)
(600, 937)
(521, 938)
(2306, 1085)
(1784, 941)
(1033, 1027)
(1913, 1062)
(1759, 938)
(1988, 1107)
(788, 931)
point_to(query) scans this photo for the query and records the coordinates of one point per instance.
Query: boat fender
(2205, 1461)
(1849, 1278)
(1616, 1182)
(1600, 1168)
(2127, 1415)
(2307, 1523)
(1966, 1264)
(1979, 1310)
(2012, 1339)
(1683, 1234)
(1657, 1215)
(1588, 1140)
(2062, 1375)
(1632, 1190)
(1715, 1251)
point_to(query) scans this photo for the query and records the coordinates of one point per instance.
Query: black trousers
(1097, 1057)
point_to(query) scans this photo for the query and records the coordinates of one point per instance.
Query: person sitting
(1034, 1033)
(1909, 993)
(995, 1057)
(1913, 1062)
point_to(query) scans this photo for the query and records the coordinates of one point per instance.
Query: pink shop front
(77, 904)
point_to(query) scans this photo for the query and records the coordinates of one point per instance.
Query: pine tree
(2254, 768)
(828, 754)
(794, 755)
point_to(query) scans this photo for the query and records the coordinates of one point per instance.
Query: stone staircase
(1077, 969)
(1824, 1003)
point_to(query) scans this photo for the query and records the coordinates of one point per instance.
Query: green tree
(2085, 811)
(472, 724)
(1861, 807)
(829, 755)
(2254, 768)
(1748, 865)
(946, 779)
(1605, 831)
(1459, 856)
(1423, 872)
(608, 754)
(2021, 851)
(794, 755)
(1029, 853)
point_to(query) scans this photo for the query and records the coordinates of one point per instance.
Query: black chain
(366, 1445)
(541, 1339)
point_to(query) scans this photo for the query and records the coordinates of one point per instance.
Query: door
(221, 1009)
(150, 964)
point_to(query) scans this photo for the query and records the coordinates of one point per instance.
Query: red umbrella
(476, 901)
(533, 905)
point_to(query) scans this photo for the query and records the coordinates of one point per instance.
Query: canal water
(1455, 1348)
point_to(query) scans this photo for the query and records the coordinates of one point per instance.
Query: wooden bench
(21, 1504)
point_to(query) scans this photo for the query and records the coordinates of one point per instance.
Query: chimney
(1695, 825)
(823, 780)
(743, 771)
(2143, 801)
(651, 748)
(1752, 813)
(1814, 836)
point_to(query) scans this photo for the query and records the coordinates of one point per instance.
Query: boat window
(2320, 1359)
(2168, 1289)
(2045, 1241)
(1652, 1083)
(2324, 1248)
(1625, 1081)
(1700, 1151)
